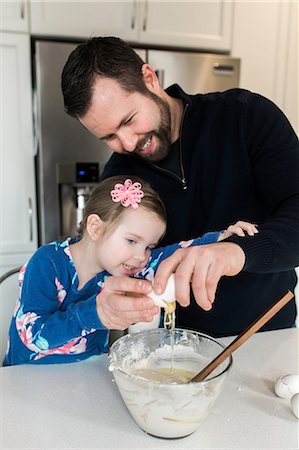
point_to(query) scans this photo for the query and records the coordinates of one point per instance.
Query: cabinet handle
(30, 214)
(133, 19)
(144, 26)
(22, 8)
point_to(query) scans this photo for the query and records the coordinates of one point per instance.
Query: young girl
(59, 316)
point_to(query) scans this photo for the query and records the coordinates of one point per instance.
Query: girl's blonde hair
(100, 202)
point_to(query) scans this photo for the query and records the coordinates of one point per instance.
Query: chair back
(9, 291)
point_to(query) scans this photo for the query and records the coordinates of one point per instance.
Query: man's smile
(145, 148)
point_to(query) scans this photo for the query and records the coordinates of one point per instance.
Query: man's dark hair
(101, 56)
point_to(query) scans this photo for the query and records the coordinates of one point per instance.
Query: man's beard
(162, 135)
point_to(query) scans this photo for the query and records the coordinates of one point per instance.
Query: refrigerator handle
(30, 214)
(223, 69)
(160, 74)
(133, 18)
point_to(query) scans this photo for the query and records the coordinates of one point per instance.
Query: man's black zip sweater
(240, 160)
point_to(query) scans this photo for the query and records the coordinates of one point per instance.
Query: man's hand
(202, 266)
(123, 302)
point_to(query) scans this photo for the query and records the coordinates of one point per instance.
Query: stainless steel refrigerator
(68, 158)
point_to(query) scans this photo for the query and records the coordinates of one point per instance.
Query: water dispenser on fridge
(75, 184)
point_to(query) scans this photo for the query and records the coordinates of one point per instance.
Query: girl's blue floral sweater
(53, 321)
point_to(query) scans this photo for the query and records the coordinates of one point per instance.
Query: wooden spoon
(249, 331)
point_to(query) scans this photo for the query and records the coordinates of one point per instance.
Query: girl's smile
(127, 249)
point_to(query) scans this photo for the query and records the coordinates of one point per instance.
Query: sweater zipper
(181, 179)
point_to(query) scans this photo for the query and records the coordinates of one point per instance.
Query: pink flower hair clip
(128, 194)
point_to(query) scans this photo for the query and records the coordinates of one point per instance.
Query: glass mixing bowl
(151, 369)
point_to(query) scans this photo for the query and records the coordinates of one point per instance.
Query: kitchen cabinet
(84, 19)
(14, 16)
(201, 24)
(18, 231)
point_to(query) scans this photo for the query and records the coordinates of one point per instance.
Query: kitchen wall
(265, 36)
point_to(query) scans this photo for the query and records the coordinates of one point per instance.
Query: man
(214, 159)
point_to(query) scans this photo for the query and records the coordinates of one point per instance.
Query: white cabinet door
(17, 185)
(14, 15)
(195, 24)
(84, 19)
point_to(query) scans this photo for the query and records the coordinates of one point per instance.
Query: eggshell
(167, 296)
(287, 386)
(295, 405)
(145, 325)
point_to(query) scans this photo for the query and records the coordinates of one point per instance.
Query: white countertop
(77, 406)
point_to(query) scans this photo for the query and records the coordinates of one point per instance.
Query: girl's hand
(239, 229)
(123, 301)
